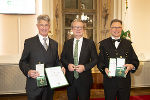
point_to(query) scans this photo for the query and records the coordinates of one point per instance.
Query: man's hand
(71, 67)
(107, 72)
(33, 74)
(129, 67)
(80, 68)
(63, 70)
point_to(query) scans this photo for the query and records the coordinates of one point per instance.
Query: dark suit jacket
(108, 50)
(34, 53)
(88, 58)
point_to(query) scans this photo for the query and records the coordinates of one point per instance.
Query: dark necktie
(76, 74)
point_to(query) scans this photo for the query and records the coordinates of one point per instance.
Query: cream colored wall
(117, 9)
(47, 8)
(138, 21)
(14, 29)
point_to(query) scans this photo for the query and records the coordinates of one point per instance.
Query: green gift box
(41, 81)
(120, 72)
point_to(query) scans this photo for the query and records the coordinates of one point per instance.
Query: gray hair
(43, 17)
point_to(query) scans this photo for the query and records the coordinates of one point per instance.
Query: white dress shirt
(79, 46)
(42, 41)
(116, 42)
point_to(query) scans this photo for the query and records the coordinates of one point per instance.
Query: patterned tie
(45, 44)
(76, 74)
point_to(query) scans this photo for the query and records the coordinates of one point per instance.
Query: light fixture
(84, 18)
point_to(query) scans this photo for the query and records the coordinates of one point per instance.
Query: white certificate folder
(116, 67)
(56, 77)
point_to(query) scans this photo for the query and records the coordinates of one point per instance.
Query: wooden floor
(61, 94)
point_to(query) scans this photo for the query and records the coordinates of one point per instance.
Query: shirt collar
(114, 38)
(41, 37)
(81, 39)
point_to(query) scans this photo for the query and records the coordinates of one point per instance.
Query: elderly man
(39, 49)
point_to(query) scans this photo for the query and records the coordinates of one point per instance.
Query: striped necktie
(45, 44)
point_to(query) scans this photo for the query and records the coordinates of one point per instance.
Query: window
(84, 9)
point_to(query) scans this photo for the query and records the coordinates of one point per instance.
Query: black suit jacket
(88, 58)
(108, 50)
(33, 53)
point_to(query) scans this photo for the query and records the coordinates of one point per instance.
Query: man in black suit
(81, 64)
(37, 50)
(116, 47)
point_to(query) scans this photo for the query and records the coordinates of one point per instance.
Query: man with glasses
(79, 56)
(117, 50)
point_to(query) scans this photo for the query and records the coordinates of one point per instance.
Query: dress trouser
(117, 88)
(78, 90)
(43, 93)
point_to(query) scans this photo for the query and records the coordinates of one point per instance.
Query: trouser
(117, 88)
(78, 90)
(43, 93)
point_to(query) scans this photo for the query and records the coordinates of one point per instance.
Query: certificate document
(120, 62)
(116, 67)
(41, 80)
(40, 69)
(56, 77)
(120, 70)
(112, 67)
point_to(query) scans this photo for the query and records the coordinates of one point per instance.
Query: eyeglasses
(77, 27)
(116, 27)
(42, 25)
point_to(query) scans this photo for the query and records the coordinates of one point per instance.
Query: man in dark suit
(116, 47)
(39, 49)
(78, 64)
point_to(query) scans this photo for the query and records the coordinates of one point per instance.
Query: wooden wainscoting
(97, 81)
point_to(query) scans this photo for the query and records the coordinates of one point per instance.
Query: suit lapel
(50, 44)
(111, 43)
(83, 48)
(40, 44)
(120, 44)
(71, 48)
